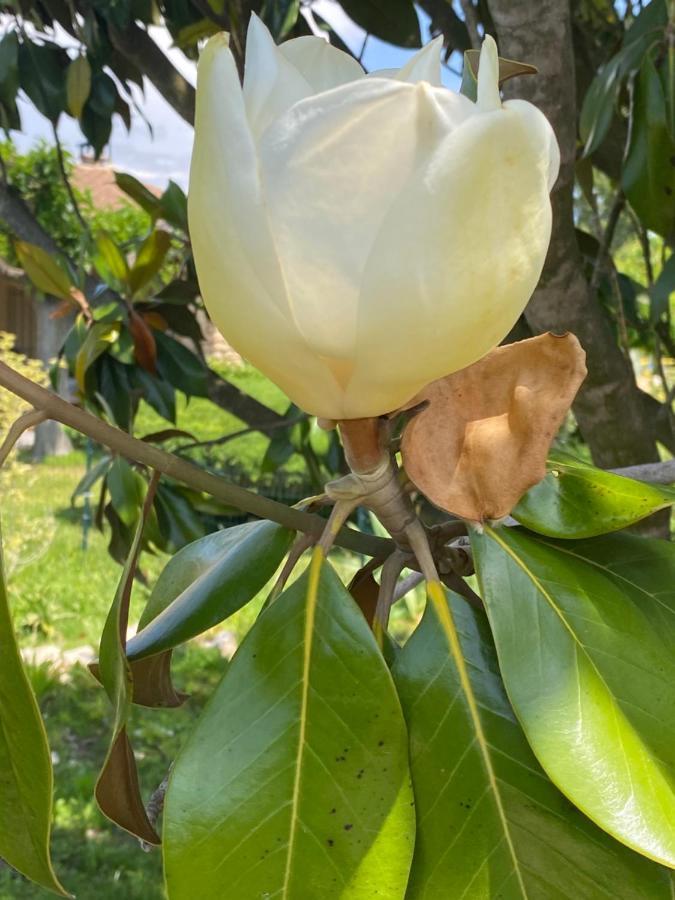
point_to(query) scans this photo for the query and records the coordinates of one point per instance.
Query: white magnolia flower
(358, 237)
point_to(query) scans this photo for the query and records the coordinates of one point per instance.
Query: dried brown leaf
(364, 589)
(118, 792)
(483, 439)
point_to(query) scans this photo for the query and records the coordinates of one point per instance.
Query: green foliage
(576, 500)
(36, 175)
(25, 764)
(517, 832)
(584, 633)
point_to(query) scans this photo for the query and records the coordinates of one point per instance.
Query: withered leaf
(365, 590)
(483, 439)
(508, 68)
(152, 684)
(118, 792)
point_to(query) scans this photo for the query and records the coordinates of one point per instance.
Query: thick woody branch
(181, 470)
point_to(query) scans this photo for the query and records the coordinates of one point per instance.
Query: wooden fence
(17, 316)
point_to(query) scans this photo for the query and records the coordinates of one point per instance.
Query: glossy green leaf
(280, 16)
(542, 847)
(295, 781)
(127, 489)
(648, 177)
(78, 85)
(43, 270)
(117, 789)
(149, 259)
(26, 780)
(576, 500)
(206, 582)
(393, 21)
(585, 634)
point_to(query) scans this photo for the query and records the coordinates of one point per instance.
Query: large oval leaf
(576, 500)
(585, 634)
(206, 582)
(26, 780)
(543, 846)
(295, 782)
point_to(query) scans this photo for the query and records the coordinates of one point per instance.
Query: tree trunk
(613, 420)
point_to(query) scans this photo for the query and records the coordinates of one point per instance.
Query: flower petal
(425, 65)
(321, 65)
(272, 84)
(456, 259)
(332, 167)
(235, 255)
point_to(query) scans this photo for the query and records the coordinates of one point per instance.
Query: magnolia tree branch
(53, 407)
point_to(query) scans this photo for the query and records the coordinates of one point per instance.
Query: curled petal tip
(488, 76)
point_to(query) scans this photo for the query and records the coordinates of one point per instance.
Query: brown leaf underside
(483, 439)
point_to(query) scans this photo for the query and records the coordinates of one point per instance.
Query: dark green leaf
(138, 192)
(117, 789)
(158, 393)
(585, 633)
(181, 367)
(26, 780)
(576, 500)
(149, 259)
(113, 385)
(207, 581)
(662, 289)
(393, 21)
(179, 523)
(516, 836)
(9, 71)
(88, 480)
(280, 16)
(127, 489)
(173, 204)
(648, 177)
(42, 70)
(307, 789)
(599, 105)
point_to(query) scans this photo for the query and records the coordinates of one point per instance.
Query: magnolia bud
(357, 237)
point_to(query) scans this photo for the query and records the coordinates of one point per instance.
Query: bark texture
(613, 419)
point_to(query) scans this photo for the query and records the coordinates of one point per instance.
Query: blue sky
(165, 154)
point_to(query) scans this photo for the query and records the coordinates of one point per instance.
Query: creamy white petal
(235, 255)
(321, 65)
(487, 90)
(332, 167)
(425, 65)
(456, 260)
(272, 84)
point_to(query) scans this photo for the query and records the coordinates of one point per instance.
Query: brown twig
(29, 419)
(471, 22)
(54, 407)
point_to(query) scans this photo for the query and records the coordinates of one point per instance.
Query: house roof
(99, 180)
